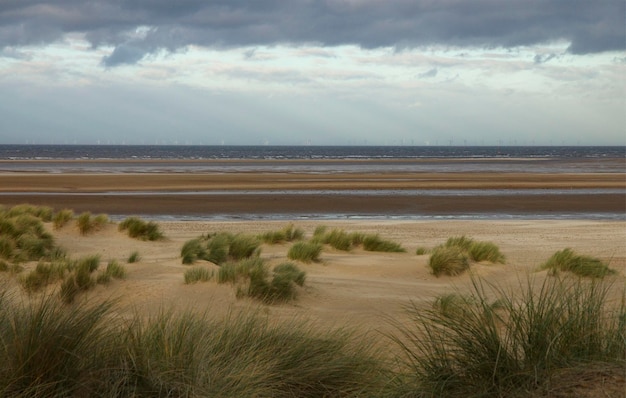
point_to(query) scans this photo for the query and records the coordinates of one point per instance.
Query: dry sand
(359, 289)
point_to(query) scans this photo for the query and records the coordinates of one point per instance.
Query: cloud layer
(136, 28)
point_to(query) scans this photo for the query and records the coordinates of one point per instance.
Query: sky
(313, 72)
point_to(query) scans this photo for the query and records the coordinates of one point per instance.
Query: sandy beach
(358, 289)
(355, 287)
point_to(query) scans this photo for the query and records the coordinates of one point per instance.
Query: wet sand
(303, 193)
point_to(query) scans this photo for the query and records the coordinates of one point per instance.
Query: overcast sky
(376, 72)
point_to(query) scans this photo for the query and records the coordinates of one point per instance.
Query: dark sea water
(302, 152)
(162, 158)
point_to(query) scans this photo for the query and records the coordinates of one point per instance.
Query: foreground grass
(85, 350)
(494, 343)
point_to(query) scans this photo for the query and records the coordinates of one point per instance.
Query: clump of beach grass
(23, 237)
(114, 270)
(567, 260)
(62, 217)
(306, 252)
(287, 234)
(140, 229)
(448, 261)
(220, 248)
(374, 243)
(80, 279)
(454, 256)
(43, 275)
(499, 343)
(342, 240)
(253, 278)
(44, 213)
(51, 351)
(198, 274)
(279, 287)
(87, 223)
(420, 251)
(133, 257)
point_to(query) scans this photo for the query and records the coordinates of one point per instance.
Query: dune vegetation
(88, 223)
(220, 247)
(497, 343)
(536, 339)
(85, 350)
(140, 229)
(567, 260)
(346, 241)
(490, 342)
(457, 253)
(288, 234)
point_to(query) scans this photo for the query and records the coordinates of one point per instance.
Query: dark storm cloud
(590, 26)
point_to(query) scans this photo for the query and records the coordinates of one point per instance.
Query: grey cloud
(590, 26)
(431, 73)
(543, 58)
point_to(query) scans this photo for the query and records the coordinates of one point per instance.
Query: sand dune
(360, 289)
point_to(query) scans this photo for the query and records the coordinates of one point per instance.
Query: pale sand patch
(358, 289)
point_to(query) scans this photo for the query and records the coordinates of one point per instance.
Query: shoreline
(253, 204)
(391, 194)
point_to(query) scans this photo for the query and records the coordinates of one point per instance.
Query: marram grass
(137, 228)
(306, 252)
(87, 223)
(86, 350)
(455, 255)
(497, 343)
(62, 217)
(287, 234)
(220, 248)
(567, 260)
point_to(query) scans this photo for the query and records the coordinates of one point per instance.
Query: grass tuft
(486, 251)
(568, 261)
(252, 278)
(139, 229)
(420, 251)
(62, 217)
(116, 270)
(513, 345)
(287, 234)
(454, 256)
(220, 248)
(305, 251)
(448, 261)
(87, 223)
(43, 213)
(374, 243)
(134, 257)
(198, 274)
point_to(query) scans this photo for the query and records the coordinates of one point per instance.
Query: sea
(160, 158)
(330, 159)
